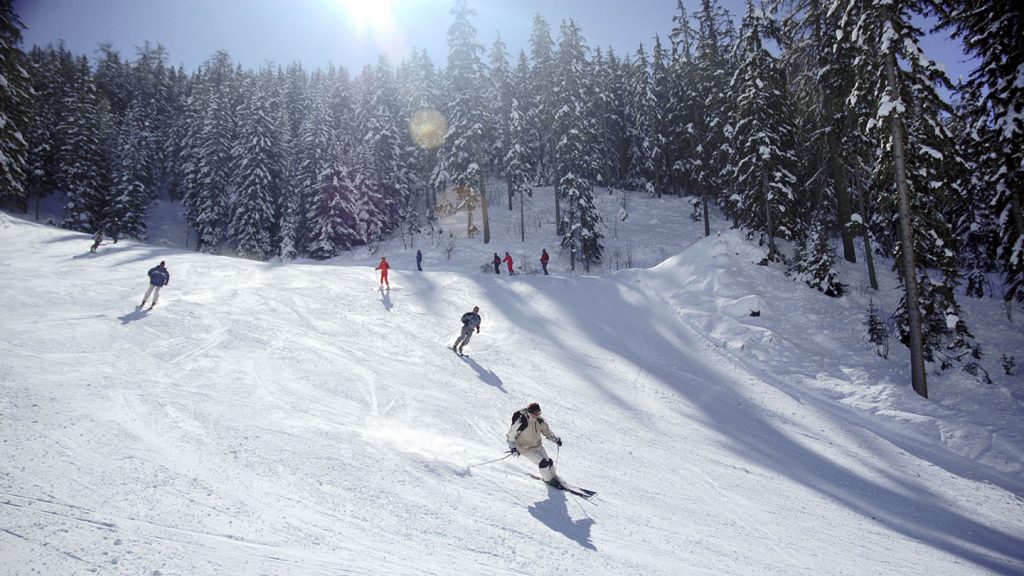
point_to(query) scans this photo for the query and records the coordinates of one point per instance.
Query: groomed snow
(288, 419)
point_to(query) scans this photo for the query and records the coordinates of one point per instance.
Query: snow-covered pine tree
(763, 201)
(540, 110)
(258, 172)
(312, 151)
(84, 158)
(516, 167)
(814, 261)
(821, 76)
(113, 80)
(129, 175)
(418, 101)
(464, 148)
(991, 33)
(896, 78)
(711, 111)
(681, 148)
(41, 135)
(970, 210)
(641, 110)
(155, 98)
(15, 107)
(609, 113)
(498, 97)
(334, 209)
(208, 197)
(660, 129)
(377, 164)
(574, 129)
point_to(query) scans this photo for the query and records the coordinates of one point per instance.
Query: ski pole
(491, 461)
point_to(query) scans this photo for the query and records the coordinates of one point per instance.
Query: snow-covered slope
(271, 418)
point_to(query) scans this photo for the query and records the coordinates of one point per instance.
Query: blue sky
(350, 33)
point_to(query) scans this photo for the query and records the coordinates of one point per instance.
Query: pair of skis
(581, 492)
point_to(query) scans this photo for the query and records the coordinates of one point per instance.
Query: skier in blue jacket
(159, 277)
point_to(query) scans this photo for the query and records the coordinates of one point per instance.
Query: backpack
(466, 317)
(525, 421)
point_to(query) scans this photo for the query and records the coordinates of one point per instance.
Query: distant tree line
(814, 123)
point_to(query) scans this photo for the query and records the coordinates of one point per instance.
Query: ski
(581, 492)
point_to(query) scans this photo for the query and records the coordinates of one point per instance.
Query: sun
(369, 15)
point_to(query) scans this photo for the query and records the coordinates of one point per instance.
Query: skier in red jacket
(508, 260)
(383, 267)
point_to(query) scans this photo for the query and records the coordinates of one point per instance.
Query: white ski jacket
(527, 433)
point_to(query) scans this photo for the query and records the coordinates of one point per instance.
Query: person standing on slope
(497, 262)
(544, 260)
(159, 277)
(508, 260)
(419, 261)
(383, 267)
(470, 321)
(526, 436)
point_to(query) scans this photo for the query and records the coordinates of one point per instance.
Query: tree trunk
(558, 212)
(522, 217)
(842, 190)
(707, 220)
(769, 223)
(917, 372)
(483, 209)
(868, 255)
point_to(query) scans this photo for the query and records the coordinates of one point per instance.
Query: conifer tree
(821, 78)
(516, 166)
(499, 97)
(258, 173)
(210, 154)
(574, 130)
(764, 198)
(129, 176)
(912, 145)
(641, 111)
(711, 111)
(681, 146)
(991, 33)
(464, 147)
(15, 107)
(84, 158)
(313, 151)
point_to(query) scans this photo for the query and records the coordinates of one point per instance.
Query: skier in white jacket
(525, 437)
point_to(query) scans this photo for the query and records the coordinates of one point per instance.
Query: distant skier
(508, 260)
(470, 321)
(97, 238)
(383, 267)
(159, 277)
(525, 437)
(114, 229)
(419, 261)
(497, 262)
(544, 260)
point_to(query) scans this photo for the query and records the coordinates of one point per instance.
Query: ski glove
(558, 442)
(512, 449)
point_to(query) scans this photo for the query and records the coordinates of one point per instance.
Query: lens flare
(427, 128)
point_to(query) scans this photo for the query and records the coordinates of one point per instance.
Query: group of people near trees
(384, 265)
(497, 260)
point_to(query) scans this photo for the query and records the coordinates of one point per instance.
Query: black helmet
(533, 408)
